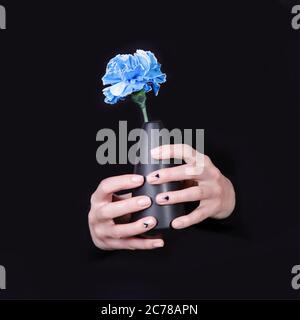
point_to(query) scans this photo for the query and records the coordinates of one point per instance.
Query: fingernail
(158, 244)
(137, 178)
(149, 223)
(163, 198)
(144, 202)
(155, 152)
(153, 178)
(177, 224)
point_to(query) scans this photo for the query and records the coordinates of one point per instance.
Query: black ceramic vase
(163, 213)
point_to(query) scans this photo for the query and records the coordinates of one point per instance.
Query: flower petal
(118, 88)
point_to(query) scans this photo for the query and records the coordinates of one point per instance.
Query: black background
(233, 69)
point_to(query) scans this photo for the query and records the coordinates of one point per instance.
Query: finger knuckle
(109, 244)
(187, 148)
(216, 173)
(105, 247)
(191, 170)
(202, 215)
(189, 153)
(116, 233)
(92, 218)
(206, 158)
(103, 214)
(200, 192)
(93, 199)
(99, 244)
(218, 190)
(148, 245)
(171, 174)
(198, 169)
(104, 186)
(99, 233)
(177, 196)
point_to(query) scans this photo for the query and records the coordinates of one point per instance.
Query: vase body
(164, 214)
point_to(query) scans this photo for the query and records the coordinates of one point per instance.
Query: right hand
(109, 213)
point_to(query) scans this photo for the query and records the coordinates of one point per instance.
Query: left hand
(208, 185)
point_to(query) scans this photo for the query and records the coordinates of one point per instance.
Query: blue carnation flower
(127, 73)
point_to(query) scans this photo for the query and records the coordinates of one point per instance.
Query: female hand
(108, 210)
(214, 191)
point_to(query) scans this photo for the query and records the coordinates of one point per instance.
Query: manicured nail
(163, 198)
(153, 178)
(144, 202)
(149, 223)
(158, 244)
(177, 224)
(137, 178)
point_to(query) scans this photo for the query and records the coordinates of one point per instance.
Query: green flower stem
(144, 110)
(140, 99)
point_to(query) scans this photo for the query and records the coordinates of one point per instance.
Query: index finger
(178, 151)
(114, 184)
